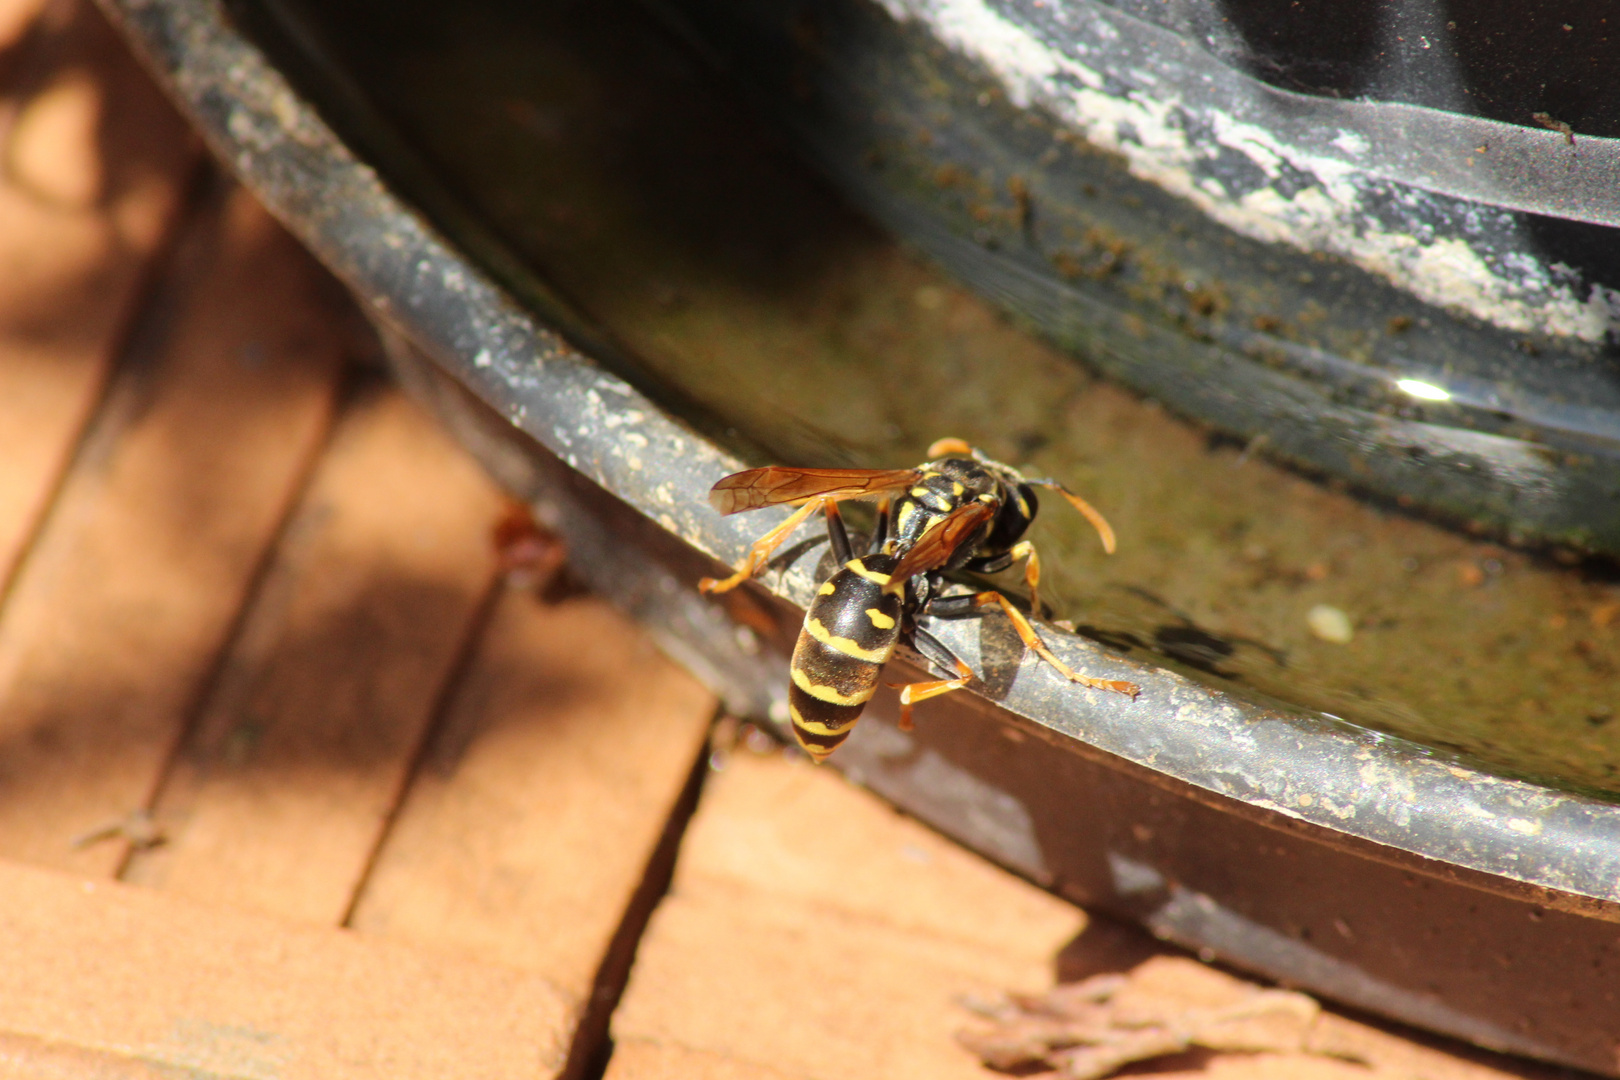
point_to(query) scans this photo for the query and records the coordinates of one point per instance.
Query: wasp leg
(880, 530)
(1032, 572)
(838, 536)
(788, 554)
(935, 651)
(760, 553)
(922, 691)
(993, 565)
(1032, 569)
(955, 606)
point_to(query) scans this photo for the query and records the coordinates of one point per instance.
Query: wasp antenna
(1105, 531)
(950, 447)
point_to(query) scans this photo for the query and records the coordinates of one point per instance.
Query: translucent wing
(777, 485)
(944, 540)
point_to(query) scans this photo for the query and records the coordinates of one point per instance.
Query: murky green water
(613, 162)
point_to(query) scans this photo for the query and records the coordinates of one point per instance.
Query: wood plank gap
(466, 655)
(85, 237)
(532, 823)
(276, 802)
(814, 931)
(173, 495)
(194, 710)
(155, 282)
(592, 1046)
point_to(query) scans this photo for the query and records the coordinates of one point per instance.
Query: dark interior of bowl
(602, 165)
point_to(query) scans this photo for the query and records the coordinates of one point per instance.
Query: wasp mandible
(959, 511)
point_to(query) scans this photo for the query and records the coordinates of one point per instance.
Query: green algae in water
(626, 178)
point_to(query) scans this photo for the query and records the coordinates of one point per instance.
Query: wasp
(960, 510)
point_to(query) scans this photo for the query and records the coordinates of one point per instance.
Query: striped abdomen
(849, 633)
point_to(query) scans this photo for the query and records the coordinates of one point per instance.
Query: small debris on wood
(528, 554)
(137, 827)
(1093, 1028)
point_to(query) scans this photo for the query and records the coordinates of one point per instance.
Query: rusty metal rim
(1293, 767)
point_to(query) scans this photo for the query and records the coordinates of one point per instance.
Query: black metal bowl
(1374, 870)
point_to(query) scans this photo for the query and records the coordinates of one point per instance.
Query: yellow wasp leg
(922, 691)
(760, 553)
(1032, 640)
(1032, 572)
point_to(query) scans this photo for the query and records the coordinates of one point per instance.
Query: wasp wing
(777, 485)
(936, 546)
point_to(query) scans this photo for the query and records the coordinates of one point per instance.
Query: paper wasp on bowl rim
(958, 511)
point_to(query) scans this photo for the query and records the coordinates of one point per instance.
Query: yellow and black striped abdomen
(849, 633)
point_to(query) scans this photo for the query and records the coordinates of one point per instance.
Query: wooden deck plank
(772, 828)
(544, 795)
(123, 972)
(23, 1058)
(16, 16)
(639, 1059)
(278, 800)
(813, 931)
(95, 165)
(125, 602)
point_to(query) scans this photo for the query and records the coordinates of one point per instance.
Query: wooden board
(96, 165)
(124, 973)
(135, 580)
(279, 797)
(812, 930)
(539, 805)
